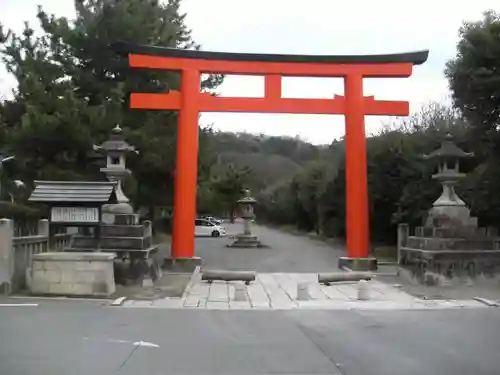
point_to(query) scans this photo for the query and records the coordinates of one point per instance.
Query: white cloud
(312, 27)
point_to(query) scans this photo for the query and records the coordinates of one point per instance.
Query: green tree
(474, 79)
(307, 188)
(230, 186)
(399, 180)
(50, 138)
(74, 89)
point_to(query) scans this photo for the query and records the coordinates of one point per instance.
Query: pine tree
(75, 89)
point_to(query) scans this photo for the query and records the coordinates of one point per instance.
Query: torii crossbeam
(189, 101)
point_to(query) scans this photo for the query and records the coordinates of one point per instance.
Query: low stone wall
(73, 274)
(16, 252)
(440, 260)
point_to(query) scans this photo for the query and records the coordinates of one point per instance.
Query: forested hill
(271, 159)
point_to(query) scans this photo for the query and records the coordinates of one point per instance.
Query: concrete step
(109, 242)
(122, 230)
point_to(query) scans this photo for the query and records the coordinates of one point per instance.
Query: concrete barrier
(223, 275)
(332, 277)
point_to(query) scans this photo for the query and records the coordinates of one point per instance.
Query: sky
(325, 27)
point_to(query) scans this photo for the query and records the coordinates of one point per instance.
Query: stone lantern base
(246, 241)
(110, 211)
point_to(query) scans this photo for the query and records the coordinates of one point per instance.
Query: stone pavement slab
(218, 292)
(278, 291)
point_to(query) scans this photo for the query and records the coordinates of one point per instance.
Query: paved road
(60, 338)
(287, 253)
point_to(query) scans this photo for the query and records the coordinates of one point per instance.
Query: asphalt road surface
(61, 338)
(286, 252)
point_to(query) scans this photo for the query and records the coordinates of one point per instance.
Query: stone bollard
(302, 292)
(147, 282)
(6, 255)
(363, 290)
(240, 292)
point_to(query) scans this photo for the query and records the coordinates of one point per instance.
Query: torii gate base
(189, 101)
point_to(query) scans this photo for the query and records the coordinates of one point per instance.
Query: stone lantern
(246, 239)
(449, 208)
(115, 149)
(246, 206)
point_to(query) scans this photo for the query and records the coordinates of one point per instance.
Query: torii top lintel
(154, 57)
(273, 67)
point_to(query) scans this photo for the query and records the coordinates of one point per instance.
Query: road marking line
(135, 343)
(486, 301)
(145, 343)
(18, 304)
(61, 298)
(120, 341)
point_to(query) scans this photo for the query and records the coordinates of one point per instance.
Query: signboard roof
(73, 192)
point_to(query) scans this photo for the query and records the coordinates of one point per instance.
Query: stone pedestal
(450, 246)
(450, 216)
(246, 240)
(130, 241)
(433, 255)
(111, 211)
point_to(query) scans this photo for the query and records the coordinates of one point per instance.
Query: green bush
(21, 212)
(25, 217)
(163, 225)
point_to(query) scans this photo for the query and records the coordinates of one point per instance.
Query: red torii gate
(189, 101)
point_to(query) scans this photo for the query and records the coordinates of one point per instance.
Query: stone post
(363, 290)
(302, 292)
(148, 228)
(43, 230)
(403, 234)
(246, 226)
(6, 255)
(43, 227)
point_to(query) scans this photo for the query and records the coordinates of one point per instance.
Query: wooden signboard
(74, 203)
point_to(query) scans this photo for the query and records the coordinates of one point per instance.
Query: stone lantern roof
(448, 149)
(116, 142)
(247, 199)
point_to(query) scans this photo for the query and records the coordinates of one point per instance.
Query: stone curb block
(192, 281)
(119, 301)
